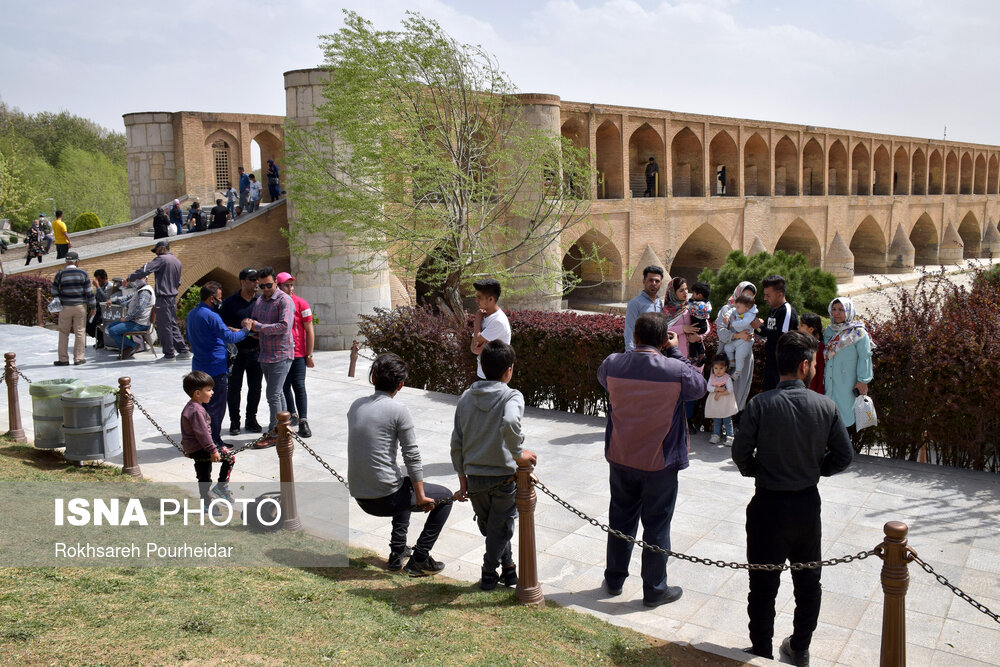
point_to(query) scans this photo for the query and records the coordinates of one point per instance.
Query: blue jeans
(116, 330)
(649, 498)
(274, 380)
(723, 424)
(232, 209)
(295, 388)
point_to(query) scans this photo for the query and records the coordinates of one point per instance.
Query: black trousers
(783, 525)
(771, 375)
(398, 507)
(244, 362)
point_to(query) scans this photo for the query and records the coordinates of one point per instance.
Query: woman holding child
(848, 355)
(741, 385)
(679, 319)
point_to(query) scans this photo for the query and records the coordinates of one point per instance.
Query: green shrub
(807, 289)
(188, 302)
(18, 300)
(86, 220)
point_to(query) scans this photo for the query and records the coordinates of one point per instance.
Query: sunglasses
(266, 285)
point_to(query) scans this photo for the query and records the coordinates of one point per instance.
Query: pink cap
(283, 277)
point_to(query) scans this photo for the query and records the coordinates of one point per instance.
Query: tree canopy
(421, 152)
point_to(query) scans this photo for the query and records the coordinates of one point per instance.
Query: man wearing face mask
(207, 336)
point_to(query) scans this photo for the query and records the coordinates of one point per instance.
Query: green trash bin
(90, 423)
(47, 412)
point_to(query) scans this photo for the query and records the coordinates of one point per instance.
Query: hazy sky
(896, 66)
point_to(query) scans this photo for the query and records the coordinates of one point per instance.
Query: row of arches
(706, 247)
(810, 171)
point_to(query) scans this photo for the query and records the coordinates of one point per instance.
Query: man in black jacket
(789, 437)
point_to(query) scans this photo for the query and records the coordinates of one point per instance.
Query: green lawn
(358, 615)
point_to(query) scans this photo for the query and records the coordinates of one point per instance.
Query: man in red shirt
(303, 338)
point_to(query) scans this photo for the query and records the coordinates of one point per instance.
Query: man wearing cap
(236, 308)
(272, 319)
(76, 294)
(167, 277)
(137, 316)
(303, 338)
(208, 336)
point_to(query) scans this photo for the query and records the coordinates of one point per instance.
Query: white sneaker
(714, 439)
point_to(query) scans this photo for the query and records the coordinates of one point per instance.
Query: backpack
(199, 220)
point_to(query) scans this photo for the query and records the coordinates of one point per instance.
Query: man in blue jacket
(646, 444)
(244, 189)
(207, 336)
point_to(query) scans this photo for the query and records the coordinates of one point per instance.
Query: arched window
(220, 154)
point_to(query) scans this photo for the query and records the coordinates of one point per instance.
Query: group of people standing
(42, 235)
(788, 436)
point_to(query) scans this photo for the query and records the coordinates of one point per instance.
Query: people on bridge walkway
(244, 187)
(177, 216)
(167, 271)
(61, 235)
(161, 224)
(378, 428)
(273, 181)
(789, 437)
(652, 169)
(219, 215)
(245, 362)
(34, 240)
(254, 194)
(231, 200)
(646, 445)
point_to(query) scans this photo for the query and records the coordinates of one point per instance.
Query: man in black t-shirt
(219, 215)
(781, 318)
(235, 309)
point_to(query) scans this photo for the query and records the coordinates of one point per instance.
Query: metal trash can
(47, 411)
(90, 423)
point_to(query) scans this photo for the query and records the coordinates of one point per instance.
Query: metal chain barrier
(176, 444)
(23, 376)
(941, 579)
(767, 567)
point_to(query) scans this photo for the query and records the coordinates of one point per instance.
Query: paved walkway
(952, 516)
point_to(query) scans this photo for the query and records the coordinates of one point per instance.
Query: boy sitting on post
(196, 439)
(486, 450)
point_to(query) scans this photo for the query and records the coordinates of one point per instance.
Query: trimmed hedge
(18, 300)
(86, 220)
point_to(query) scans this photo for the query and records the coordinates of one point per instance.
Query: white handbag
(864, 412)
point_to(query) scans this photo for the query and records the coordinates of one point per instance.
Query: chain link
(767, 567)
(319, 458)
(23, 376)
(941, 579)
(177, 445)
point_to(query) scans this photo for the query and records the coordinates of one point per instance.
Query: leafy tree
(422, 153)
(17, 194)
(808, 289)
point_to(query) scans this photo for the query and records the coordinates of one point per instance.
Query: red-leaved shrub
(937, 370)
(18, 300)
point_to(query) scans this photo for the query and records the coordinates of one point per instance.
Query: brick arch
(756, 167)
(979, 181)
(272, 147)
(233, 151)
(972, 235)
(609, 161)
(644, 143)
(869, 246)
(722, 153)
(883, 172)
(991, 179)
(924, 237)
(965, 171)
(812, 168)
(860, 170)
(704, 248)
(799, 237)
(900, 172)
(840, 178)
(919, 171)
(598, 280)
(687, 158)
(951, 174)
(786, 168)
(935, 173)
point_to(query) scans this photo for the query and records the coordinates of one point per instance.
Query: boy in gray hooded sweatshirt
(486, 450)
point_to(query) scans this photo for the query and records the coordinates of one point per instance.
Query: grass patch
(358, 615)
